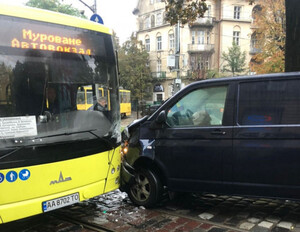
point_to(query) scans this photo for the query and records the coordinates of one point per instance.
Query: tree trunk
(292, 47)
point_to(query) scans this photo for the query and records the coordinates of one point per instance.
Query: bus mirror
(161, 118)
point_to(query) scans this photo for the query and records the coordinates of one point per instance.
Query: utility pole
(177, 81)
(93, 8)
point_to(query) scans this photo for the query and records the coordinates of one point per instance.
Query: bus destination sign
(42, 41)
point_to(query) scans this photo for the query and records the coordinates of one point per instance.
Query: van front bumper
(127, 175)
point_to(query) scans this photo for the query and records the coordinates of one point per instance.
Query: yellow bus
(85, 99)
(51, 153)
(125, 103)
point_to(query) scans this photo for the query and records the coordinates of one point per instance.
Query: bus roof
(51, 17)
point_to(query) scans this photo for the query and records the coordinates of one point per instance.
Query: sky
(116, 14)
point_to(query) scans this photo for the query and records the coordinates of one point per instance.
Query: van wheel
(146, 189)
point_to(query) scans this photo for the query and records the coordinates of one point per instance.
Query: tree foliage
(292, 47)
(55, 5)
(135, 75)
(184, 11)
(270, 35)
(235, 60)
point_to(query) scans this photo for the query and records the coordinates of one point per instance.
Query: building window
(147, 44)
(159, 43)
(236, 37)
(237, 12)
(171, 41)
(158, 19)
(147, 23)
(164, 18)
(200, 35)
(193, 37)
(158, 68)
(152, 21)
(141, 25)
(253, 41)
(208, 11)
(208, 38)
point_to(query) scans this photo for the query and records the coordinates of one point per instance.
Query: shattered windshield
(46, 74)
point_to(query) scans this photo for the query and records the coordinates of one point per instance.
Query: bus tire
(146, 189)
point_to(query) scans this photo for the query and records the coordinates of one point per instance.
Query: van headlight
(124, 148)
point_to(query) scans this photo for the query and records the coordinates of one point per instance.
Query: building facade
(201, 43)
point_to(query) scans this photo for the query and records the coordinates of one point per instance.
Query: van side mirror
(161, 118)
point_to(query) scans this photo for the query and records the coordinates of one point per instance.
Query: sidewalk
(126, 121)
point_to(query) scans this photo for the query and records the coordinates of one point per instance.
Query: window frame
(159, 43)
(227, 88)
(147, 44)
(158, 19)
(237, 12)
(171, 41)
(236, 37)
(276, 110)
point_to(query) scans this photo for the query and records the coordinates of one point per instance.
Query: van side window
(200, 108)
(269, 102)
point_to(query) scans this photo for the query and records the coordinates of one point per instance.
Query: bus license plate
(60, 202)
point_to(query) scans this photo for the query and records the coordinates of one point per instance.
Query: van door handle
(218, 132)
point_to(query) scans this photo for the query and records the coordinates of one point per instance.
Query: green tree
(235, 60)
(269, 37)
(185, 11)
(55, 5)
(135, 75)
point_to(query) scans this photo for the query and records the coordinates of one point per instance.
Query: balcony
(158, 75)
(198, 48)
(203, 22)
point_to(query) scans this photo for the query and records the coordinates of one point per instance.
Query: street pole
(177, 81)
(95, 6)
(92, 8)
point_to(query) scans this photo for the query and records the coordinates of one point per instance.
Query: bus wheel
(146, 189)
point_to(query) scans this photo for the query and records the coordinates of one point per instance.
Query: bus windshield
(43, 69)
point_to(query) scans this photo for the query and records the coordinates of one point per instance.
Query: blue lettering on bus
(24, 174)
(11, 176)
(1, 177)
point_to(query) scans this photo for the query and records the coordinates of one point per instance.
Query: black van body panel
(232, 158)
(267, 157)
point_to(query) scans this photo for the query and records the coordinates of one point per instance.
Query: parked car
(236, 135)
(149, 109)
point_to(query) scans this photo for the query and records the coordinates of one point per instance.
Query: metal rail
(84, 224)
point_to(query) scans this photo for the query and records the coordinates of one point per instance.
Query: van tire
(146, 188)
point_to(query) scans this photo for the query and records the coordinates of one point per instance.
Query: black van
(236, 135)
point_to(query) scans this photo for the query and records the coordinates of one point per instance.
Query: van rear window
(269, 102)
